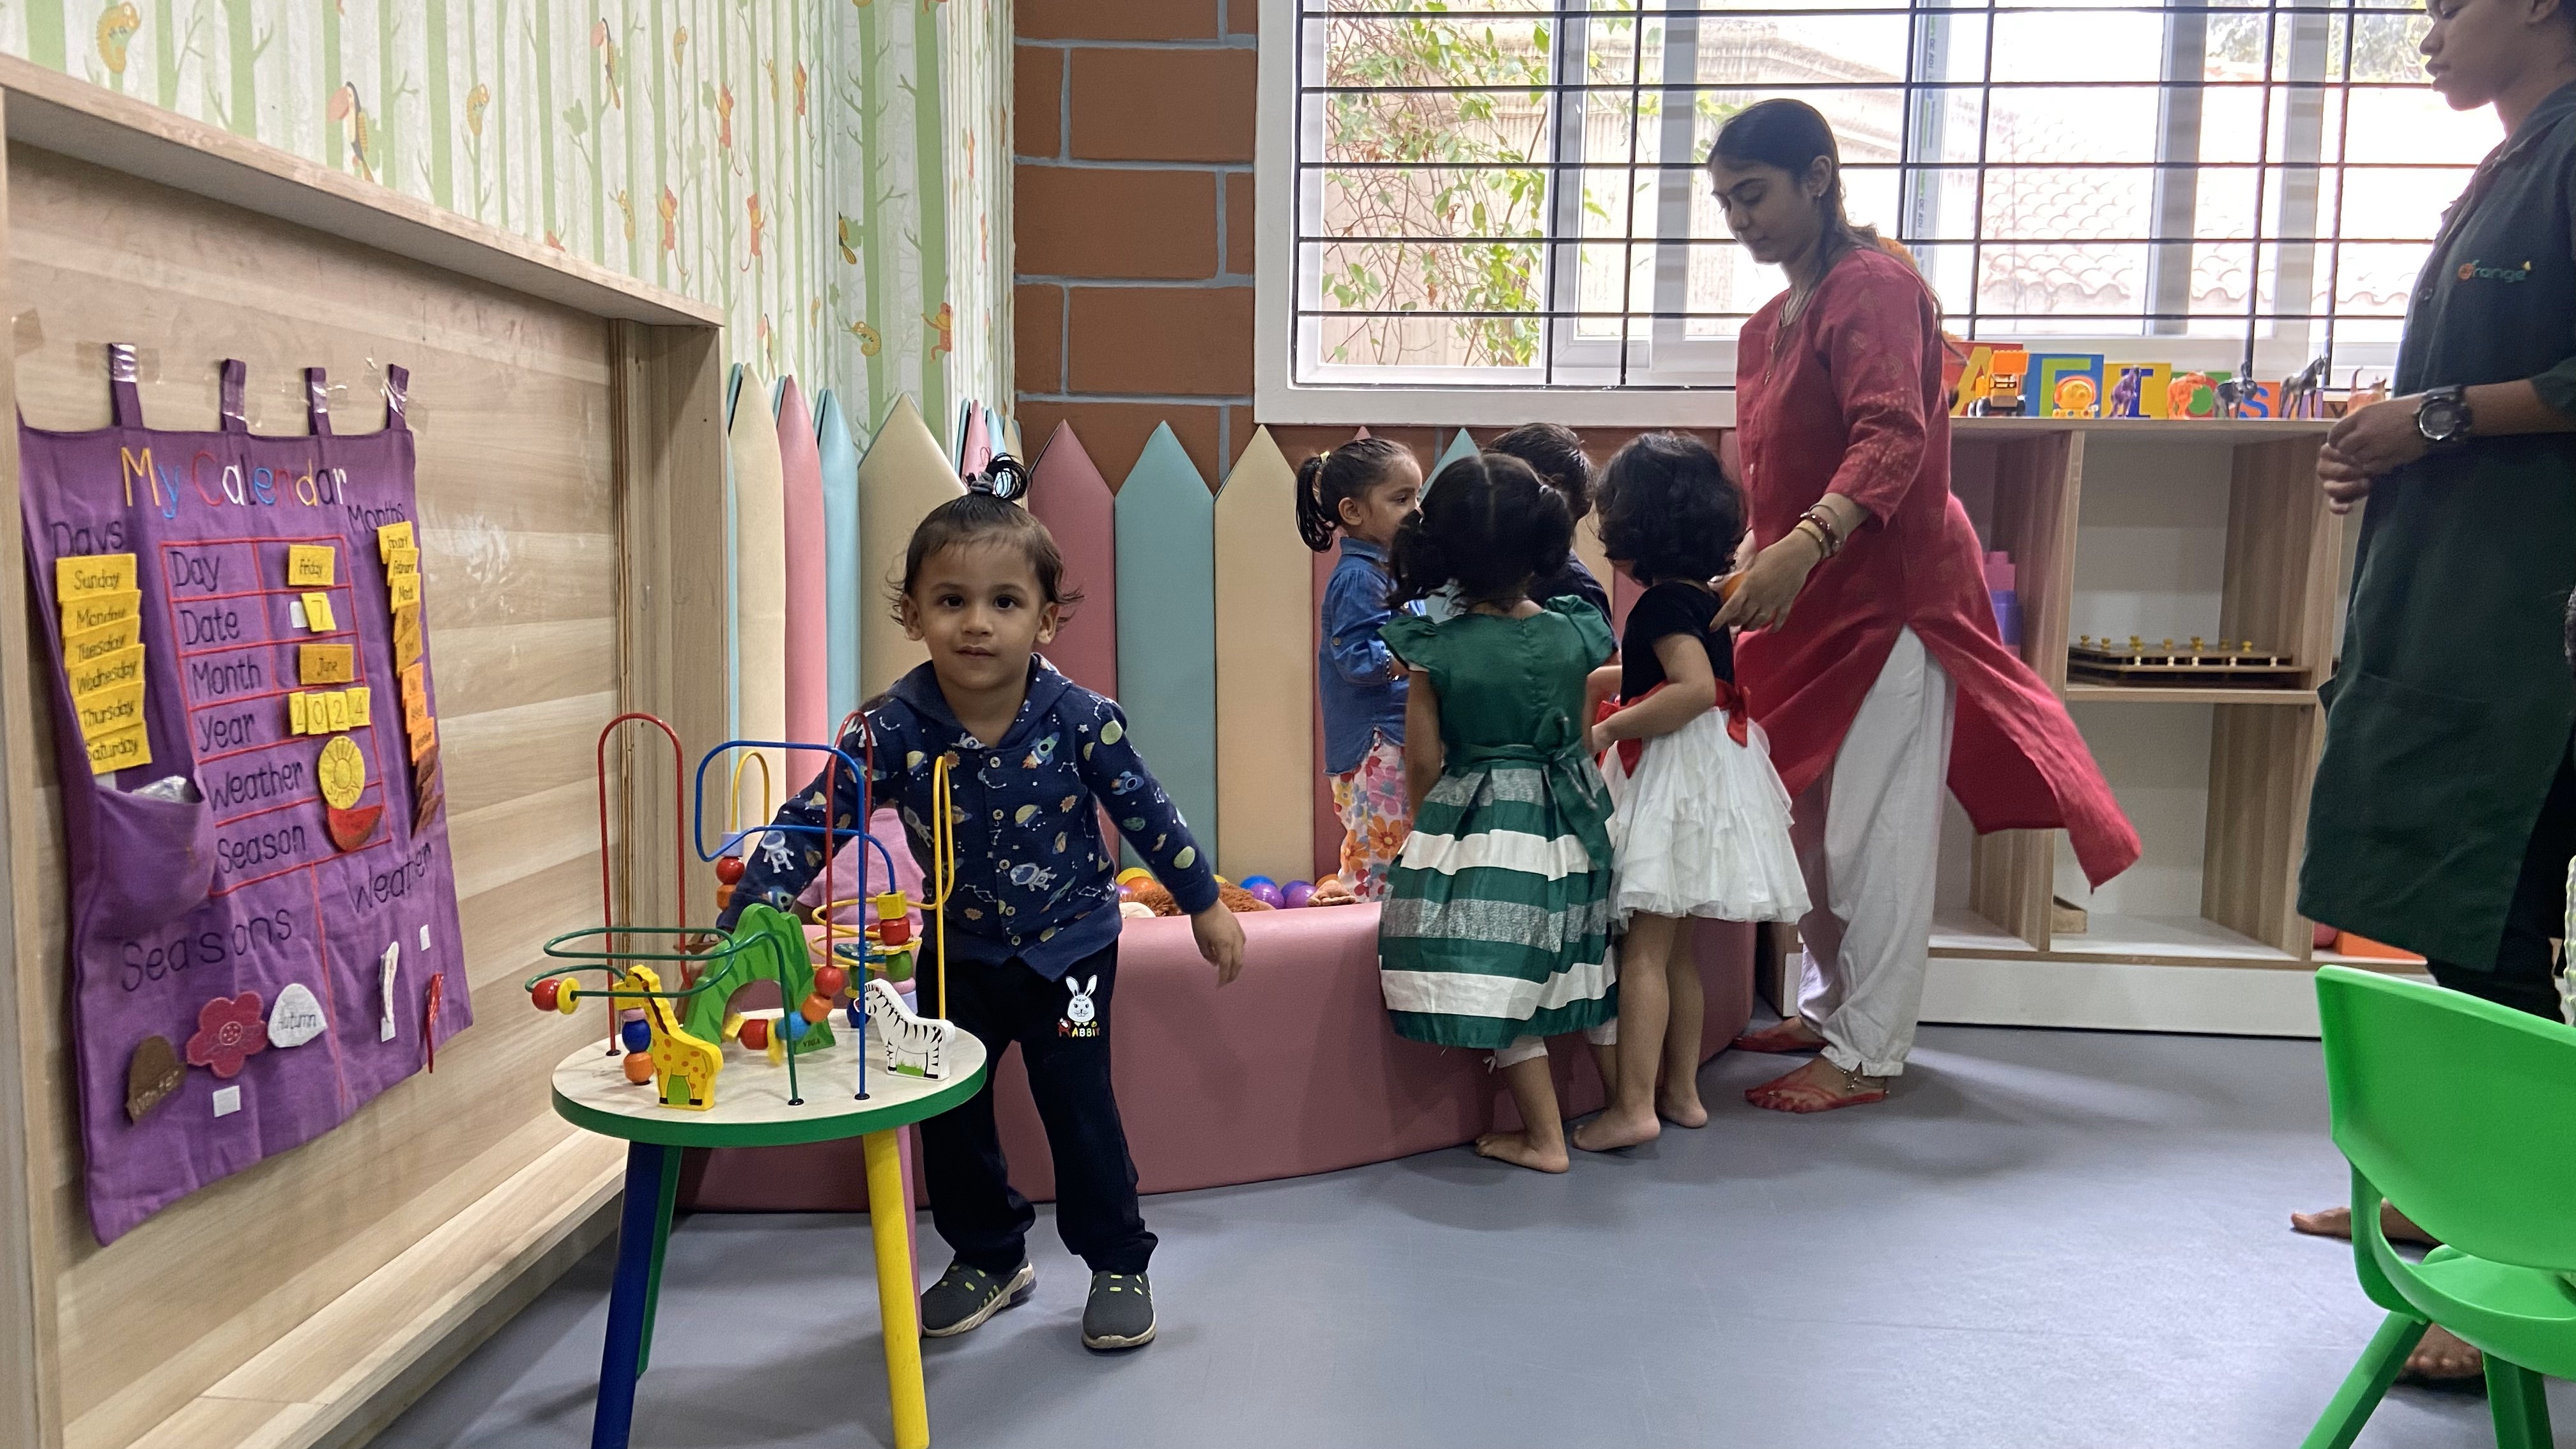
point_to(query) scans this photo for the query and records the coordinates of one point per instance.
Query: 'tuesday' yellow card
(89, 645)
(78, 576)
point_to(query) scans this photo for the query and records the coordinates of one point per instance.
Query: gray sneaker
(1120, 1313)
(964, 1297)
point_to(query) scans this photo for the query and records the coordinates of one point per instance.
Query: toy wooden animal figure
(684, 1066)
(2125, 393)
(915, 1046)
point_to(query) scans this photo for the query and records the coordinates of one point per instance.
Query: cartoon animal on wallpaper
(759, 224)
(606, 44)
(626, 209)
(849, 240)
(351, 114)
(800, 92)
(477, 101)
(724, 117)
(679, 47)
(944, 322)
(768, 340)
(669, 209)
(771, 67)
(116, 27)
(869, 343)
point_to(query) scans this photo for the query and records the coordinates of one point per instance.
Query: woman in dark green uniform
(2444, 809)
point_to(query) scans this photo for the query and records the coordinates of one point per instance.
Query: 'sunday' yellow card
(78, 576)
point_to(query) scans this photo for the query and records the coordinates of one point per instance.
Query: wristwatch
(2443, 417)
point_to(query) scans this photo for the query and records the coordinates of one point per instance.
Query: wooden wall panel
(901, 478)
(1070, 497)
(519, 409)
(1265, 692)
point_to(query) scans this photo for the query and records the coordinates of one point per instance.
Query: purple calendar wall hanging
(263, 905)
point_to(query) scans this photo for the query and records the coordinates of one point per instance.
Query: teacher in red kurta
(1870, 652)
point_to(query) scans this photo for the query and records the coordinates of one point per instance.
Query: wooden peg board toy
(2194, 662)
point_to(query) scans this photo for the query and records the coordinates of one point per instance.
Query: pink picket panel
(1069, 496)
(809, 618)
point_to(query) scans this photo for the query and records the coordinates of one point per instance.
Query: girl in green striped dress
(1495, 933)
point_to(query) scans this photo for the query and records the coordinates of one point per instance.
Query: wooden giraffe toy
(680, 1059)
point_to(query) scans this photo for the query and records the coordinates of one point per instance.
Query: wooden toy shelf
(2156, 529)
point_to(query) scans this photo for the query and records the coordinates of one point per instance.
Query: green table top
(752, 1109)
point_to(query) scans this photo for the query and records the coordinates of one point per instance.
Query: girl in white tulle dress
(1702, 820)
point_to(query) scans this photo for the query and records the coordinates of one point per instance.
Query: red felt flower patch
(229, 1031)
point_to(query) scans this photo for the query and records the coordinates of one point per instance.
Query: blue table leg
(628, 1299)
(670, 1197)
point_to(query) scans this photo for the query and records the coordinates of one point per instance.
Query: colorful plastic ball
(755, 1033)
(1254, 883)
(898, 966)
(568, 999)
(545, 993)
(729, 869)
(1268, 894)
(795, 1026)
(815, 1009)
(639, 1067)
(1126, 892)
(1133, 874)
(829, 981)
(636, 1035)
(1295, 894)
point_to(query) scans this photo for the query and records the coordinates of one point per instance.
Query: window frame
(1419, 395)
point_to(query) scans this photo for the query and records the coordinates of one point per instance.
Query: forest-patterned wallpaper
(826, 170)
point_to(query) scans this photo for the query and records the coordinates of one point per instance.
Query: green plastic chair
(2464, 1113)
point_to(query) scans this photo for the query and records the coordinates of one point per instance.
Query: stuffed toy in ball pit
(1149, 893)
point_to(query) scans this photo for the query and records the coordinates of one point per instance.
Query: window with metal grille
(1507, 194)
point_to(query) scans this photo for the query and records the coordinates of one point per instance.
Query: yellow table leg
(889, 1219)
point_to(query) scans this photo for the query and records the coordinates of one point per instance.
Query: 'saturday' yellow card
(310, 565)
(121, 750)
(77, 576)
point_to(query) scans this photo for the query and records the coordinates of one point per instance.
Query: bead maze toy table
(753, 1109)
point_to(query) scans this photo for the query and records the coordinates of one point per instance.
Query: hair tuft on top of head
(983, 519)
(1488, 526)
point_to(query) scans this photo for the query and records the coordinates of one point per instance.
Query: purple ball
(1268, 894)
(1296, 893)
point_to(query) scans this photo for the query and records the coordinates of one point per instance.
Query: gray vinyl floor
(2046, 1239)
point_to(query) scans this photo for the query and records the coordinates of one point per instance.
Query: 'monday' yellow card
(97, 611)
(77, 576)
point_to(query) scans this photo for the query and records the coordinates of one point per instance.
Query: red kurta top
(1854, 403)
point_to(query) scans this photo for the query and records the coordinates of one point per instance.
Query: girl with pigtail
(1363, 490)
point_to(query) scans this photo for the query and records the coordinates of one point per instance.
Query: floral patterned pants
(1376, 818)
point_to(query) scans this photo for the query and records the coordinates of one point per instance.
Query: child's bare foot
(2336, 1222)
(1819, 1086)
(1516, 1148)
(2444, 1359)
(1682, 1109)
(1783, 1038)
(1614, 1129)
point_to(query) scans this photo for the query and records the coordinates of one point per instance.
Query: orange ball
(829, 981)
(639, 1067)
(814, 1008)
(755, 1033)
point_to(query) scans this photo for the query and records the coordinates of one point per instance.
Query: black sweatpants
(2520, 975)
(972, 1202)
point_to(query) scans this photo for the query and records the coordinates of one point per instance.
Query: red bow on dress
(1736, 701)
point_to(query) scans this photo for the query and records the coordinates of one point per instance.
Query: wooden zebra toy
(915, 1046)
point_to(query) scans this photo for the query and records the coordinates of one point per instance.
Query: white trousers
(1523, 1048)
(1869, 840)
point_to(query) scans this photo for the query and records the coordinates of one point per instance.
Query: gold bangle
(1814, 530)
(1830, 536)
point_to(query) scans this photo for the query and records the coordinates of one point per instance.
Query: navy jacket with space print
(1035, 880)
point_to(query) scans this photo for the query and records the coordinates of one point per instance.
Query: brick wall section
(1135, 127)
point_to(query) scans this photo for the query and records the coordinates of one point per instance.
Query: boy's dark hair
(1327, 478)
(1555, 452)
(1668, 510)
(983, 519)
(1488, 526)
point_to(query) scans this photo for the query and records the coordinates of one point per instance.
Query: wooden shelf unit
(2032, 485)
